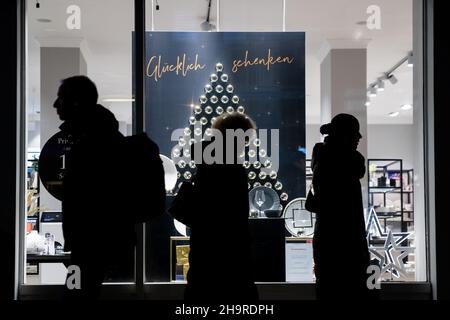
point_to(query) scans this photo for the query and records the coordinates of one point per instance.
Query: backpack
(144, 178)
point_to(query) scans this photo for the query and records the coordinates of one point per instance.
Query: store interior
(96, 38)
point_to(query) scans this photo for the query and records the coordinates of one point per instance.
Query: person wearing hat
(341, 255)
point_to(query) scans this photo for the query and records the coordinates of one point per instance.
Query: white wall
(383, 142)
(392, 142)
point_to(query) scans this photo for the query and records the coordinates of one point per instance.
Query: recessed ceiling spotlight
(44, 20)
(406, 107)
(394, 114)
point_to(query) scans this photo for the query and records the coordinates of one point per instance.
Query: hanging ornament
(203, 121)
(219, 88)
(208, 88)
(219, 110)
(252, 153)
(267, 163)
(256, 164)
(251, 175)
(224, 77)
(246, 164)
(192, 120)
(192, 164)
(273, 175)
(235, 99)
(230, 88)
(181, 164)
(278, 185)
(214, 99)
(284, 196)
(256, 185)
(268, 185)
(182, 142)
(224, 99)
(262, 153)
(214, 77)
(187, 131)
(203, 99)
(176, 152)
(208, 110)
(219, 67)
(240, 109)
(197, 110)
(230, 109)
(198, 131)
(262, 175)
(187, 175)
(257, 142)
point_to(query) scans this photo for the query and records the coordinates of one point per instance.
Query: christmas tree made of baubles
(218, 99)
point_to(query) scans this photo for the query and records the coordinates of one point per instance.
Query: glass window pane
(64, 39)
(358, 60)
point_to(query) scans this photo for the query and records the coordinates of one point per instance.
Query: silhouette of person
(93, 225)
(220, 264)
(341, 254)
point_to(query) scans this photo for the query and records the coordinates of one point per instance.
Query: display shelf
(390, 191)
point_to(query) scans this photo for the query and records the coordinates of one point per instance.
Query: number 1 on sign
(63, 158)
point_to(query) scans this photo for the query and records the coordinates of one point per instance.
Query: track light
(392, 79)
(394, 114)
(157, 5)
(206, 25)
(38, 5)
(380, 85)
(410, 60)
(406, 107)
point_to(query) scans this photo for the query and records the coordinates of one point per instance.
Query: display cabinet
(390, 193)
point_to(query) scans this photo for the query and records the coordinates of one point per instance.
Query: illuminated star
(389, 246)
(373, 224)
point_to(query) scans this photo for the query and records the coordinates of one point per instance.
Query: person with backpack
(106, 178)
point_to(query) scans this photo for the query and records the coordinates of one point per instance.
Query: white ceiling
(106, 27)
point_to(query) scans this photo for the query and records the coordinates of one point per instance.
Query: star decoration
(389, 263)
(393, 241)
(374, 222)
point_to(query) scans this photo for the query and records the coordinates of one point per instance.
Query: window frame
(154, 290)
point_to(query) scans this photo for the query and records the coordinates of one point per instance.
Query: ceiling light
(394, 114)
(373, 92)
(206, 25)
(392, 79)
(43, 20)
(380, 85)
(118, 100)
(406, 107)
(410, 60)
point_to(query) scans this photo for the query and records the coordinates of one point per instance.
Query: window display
(289, 68)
